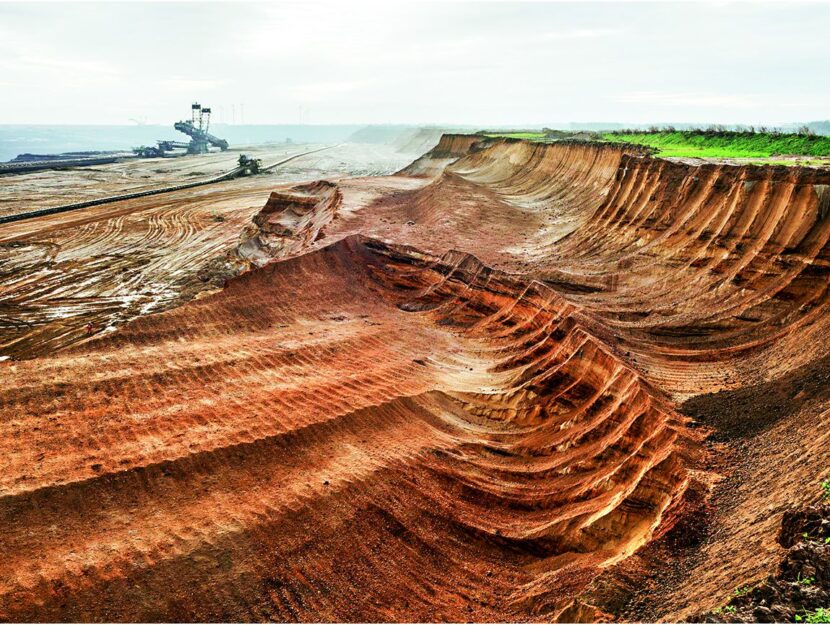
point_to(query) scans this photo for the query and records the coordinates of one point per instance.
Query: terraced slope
(711, 280)
(714, 277)
(413, 438)
(452, 398)
(711, 277)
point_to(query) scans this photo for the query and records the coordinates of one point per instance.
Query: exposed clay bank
(450, 395)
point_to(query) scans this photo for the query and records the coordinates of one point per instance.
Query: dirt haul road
(107, 264)
(45, 189)
(456, 393)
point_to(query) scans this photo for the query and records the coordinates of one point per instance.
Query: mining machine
(197, 129)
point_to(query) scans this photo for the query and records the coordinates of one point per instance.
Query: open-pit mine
(499, 381)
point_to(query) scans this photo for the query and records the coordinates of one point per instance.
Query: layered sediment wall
(687, 265)
(715, 275)
(463, 447)
(468, 414)
(449, 148)
(289, 222)
(566, 181)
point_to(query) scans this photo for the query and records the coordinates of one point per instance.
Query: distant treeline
(814, 127)
(718, 130)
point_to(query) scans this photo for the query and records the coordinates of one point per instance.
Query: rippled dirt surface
(67, 277)
(457, 393)
(43, 189)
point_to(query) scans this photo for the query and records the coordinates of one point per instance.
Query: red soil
(365, 430)
(289, 222)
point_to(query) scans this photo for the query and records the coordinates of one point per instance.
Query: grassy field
(759, 148)
(726, 144)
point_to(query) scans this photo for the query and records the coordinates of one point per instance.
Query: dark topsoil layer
(799, 587)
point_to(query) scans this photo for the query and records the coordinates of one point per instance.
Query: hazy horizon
(421, 63)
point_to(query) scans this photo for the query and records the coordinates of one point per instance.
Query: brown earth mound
(287, 225)
(289, 222)
(377, 426)
(456, 442)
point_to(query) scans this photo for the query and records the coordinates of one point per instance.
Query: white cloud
(582, 33)
(321, 91)
(662, 98)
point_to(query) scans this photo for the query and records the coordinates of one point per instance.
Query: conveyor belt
(129, 196)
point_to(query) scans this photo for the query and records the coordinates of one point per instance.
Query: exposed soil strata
(289, 222)
(386, 428)
(287, 225)
(182, 485)
(703, 272)
(566, 182)
(707, 272)
(450, 147)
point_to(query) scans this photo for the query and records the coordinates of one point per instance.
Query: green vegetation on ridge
(725, 144)
(765, 147)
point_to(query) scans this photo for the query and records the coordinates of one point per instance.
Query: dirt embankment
(291, 220)
(695, 267)
(450, 147)
(713, 276)
(303, 396)
(466, 443)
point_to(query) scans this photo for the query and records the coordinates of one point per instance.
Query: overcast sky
(493, 63)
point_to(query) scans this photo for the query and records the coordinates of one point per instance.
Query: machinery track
(30, 166)
(131, 196)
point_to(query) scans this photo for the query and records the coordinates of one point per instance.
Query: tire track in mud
(112, 265)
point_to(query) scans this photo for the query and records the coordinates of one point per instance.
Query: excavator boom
(200, 136)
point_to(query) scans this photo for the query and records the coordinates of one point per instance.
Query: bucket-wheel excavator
(196, 128)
